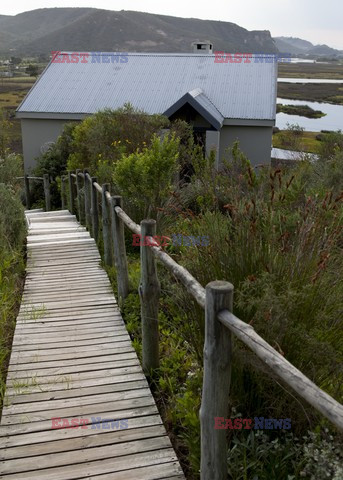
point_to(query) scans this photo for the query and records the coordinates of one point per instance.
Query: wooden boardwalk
(72, 358)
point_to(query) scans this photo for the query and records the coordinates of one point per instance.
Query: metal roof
(153, 83)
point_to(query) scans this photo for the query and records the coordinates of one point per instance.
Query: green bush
(11, 167)
(146, 177)
(101, 139)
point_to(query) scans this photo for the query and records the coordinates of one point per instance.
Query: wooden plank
(71, 353)
(148, 426)
(47, 346)
(72, 357)
(108, 466)
(83, 455)
(67, 330)
(120, 410)
(74, 299)
(42, 406)
(132, 399)
(169, 470)
(51, 338)
(109, 387)
(28, 315)
(40, 213)
(75, 377)
(16, 375)
(66, 384)
(69, 363)
(62, 326)
(101, 300)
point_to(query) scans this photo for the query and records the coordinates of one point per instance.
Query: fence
(46, 185)
(220, 322)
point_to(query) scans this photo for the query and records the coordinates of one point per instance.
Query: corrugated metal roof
(154, 82)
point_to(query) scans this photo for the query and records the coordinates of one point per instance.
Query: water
(309, 80)
(332, 121)
(301, 60)
(305, 60)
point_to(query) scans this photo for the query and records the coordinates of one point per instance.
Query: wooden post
(78, 195)
(106, 225)
(149, 291)
(63, 192)
(46, 184)
(27, 192)
(71, 193)
(216, 382)
(94, 210)
(87, 201)
(119, 249)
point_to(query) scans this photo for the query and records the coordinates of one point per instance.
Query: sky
(315, 20)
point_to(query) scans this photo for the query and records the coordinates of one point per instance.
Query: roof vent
(203, 47)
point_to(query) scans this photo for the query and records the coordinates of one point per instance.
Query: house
(224, 102)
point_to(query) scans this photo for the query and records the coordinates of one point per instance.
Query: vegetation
(12, 235)
(12, 92)
(311, 70)
(147, 176)
(306, 141)
(101, 139)
(312, 92)
(301, 110)
(276, 235)
(325, 143)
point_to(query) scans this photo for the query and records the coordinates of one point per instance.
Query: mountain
(298, 46)
(88, 29)
(323, 50)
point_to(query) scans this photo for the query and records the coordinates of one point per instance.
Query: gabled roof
(198, 100)
(154, 83)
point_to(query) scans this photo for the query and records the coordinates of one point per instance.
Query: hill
(86, 29)
(298, 46)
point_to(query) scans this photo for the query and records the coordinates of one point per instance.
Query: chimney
(205, 48)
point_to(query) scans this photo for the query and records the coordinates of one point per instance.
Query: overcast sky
(318, 21)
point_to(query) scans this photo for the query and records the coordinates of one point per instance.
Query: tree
(32, 70)
(16, 60)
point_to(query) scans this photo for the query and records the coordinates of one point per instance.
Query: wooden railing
(220, 322)
(46, 185)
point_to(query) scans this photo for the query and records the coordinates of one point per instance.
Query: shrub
(331, 144)
(11, 167)
(5, 128)
(105, 136)
(146, 177)
(12, 223)
(291, 137)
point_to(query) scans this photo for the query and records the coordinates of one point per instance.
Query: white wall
(36, 133)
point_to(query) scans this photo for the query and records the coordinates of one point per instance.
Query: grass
(12, 264)
(301, 110)
(306, 139)
(12, 92)
(332, 71)
(314, 92)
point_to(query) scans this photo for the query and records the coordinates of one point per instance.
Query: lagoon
(333, 119)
